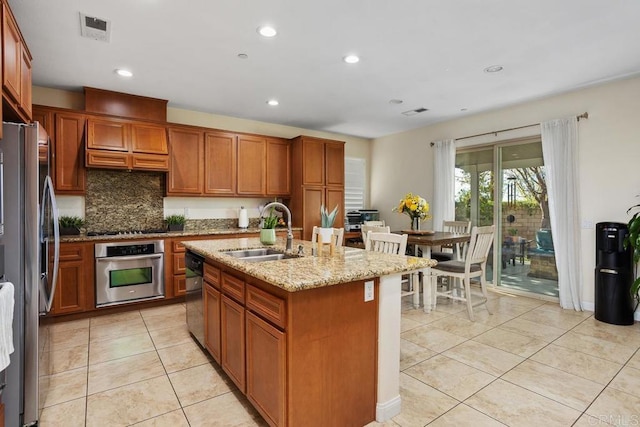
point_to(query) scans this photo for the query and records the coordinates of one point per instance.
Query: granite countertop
(309, 271)
(205, 232)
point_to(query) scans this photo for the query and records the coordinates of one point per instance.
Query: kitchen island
(310, 340)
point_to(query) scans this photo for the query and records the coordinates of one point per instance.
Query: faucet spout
(286, 209)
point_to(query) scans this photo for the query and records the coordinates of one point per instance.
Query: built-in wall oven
(129, 272)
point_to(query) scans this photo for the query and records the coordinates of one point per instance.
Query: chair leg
(483, 287)
(467, 295)
(414, 282)
(430, 296)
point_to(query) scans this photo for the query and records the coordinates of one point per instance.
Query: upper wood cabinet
(45, 118)
(220, 152)
(125, 144)
(16, 69)
(186, 162)
(278, 167)
(252, 165)
(68, 153)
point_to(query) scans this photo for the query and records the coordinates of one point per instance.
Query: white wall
(609, 156)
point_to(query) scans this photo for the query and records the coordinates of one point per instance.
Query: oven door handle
(129, 258)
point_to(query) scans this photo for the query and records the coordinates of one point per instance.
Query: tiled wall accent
(118, 200)
(208, 224)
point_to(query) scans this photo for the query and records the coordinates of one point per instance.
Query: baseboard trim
(389, 409)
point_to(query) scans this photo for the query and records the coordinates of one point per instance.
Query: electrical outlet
(587, 224)
(368, 291)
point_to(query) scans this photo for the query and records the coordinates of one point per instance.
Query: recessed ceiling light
(243, 56)
(267, 31)
(351, 59)
(463, 109)
(273, 102)
(493, 69)
(395, 101)
(124, 73)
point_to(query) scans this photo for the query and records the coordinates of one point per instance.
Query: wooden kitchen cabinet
(75, 276)
(220, 168)
(252, 165)
(68, 153)
(46, 119)
(266, 369)
(186, 162)
(317, 179)
(232, 347)
(16, 69)
(278, 167)
(212, 306)
(125, 144)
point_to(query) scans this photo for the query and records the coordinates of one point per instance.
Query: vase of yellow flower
(415, 207)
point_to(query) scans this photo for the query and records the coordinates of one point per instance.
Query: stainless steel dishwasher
(195, 303)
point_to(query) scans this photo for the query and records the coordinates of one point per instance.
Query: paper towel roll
(243, 218)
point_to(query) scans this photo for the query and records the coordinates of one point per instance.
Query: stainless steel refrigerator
(30, 237)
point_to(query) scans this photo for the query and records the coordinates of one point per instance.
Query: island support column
(389, 306)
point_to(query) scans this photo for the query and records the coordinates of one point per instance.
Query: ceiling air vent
(414, 112)
(95, 28)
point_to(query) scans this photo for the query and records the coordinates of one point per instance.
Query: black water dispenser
(614, 274)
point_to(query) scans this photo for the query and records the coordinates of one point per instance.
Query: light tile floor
(529, 364)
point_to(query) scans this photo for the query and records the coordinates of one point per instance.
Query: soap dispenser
(243, 218)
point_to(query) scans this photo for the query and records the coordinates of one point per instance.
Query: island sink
(260, 254)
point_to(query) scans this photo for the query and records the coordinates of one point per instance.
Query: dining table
(424, 240)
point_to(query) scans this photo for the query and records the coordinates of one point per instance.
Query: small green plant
(327, 218)
(633, 240)
(271, 221)
(175, 220)
(513, 231)
(70, 221)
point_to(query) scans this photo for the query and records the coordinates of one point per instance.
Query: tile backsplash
(119, 200)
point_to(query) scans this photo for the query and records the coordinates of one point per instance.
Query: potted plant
(175, 222)
(633, 240)
(268, 231)
(70, 225)
(326, 222)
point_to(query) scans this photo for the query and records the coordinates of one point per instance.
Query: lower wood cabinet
(212, 305)
(232, 358)
(266, 368)
(75, 272)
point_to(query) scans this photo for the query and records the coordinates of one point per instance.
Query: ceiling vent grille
(95, 28)
(414, 112)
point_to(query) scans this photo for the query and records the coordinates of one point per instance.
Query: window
(354, 183)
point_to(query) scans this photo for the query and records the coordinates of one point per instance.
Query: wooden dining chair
(375, 223)
(396, 244)
(365, 229)
(474, 265)
(448, 252)
(337, 236)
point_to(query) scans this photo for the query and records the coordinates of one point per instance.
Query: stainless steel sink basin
(259, 255)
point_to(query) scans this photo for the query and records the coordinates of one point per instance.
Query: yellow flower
(414, 206)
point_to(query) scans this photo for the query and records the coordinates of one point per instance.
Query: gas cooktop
(125, 232)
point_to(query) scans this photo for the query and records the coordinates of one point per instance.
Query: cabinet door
(45, 118)
(232, 356)
(313, 161)
(149, 138)
(278, 167)
(335, 197)
(266, 364)
(179, 285)
(72, 279)
(212, 321)
(25, 83)
(313, 198)
(186, 163)
(68, 153)
(11, 55)
(334, 163)
(251, 165)
(220, 163)
(106, 134)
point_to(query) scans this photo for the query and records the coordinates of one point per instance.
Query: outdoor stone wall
(527, 222)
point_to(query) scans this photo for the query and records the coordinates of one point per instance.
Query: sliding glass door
(512, 173)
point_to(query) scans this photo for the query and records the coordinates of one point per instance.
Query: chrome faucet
(289, 232)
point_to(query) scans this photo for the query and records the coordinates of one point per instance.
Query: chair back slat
(365, 229)
(456, 226)
(387, 243)
(480, 244)
(337, 235)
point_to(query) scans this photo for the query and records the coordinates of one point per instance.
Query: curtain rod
(584, 115)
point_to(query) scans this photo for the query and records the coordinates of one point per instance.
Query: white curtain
(560, 152)
(444, 164)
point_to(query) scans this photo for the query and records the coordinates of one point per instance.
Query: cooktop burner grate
(126, 232)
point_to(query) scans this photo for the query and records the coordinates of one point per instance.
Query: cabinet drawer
(152, 162)
(108, 159)
(212, 275)
(71, 253)
(178, 246)
(233, 287)
(268, 306)
(179, 266)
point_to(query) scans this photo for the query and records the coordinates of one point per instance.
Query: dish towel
(6, 323)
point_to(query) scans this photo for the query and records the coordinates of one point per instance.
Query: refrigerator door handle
(48, 192)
